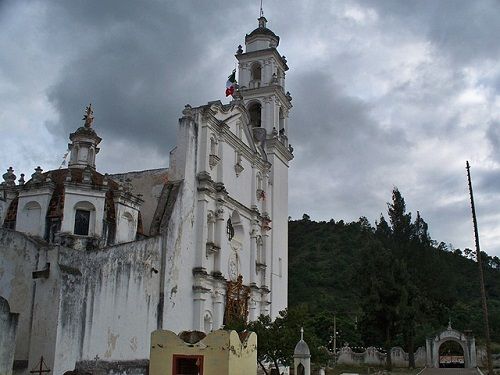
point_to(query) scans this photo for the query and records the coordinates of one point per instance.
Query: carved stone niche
(213, 160)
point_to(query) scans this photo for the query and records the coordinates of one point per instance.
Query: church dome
(301, 349)
(263, 31)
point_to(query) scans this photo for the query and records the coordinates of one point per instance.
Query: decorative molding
(213, 160)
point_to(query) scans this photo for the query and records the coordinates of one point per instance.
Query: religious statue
(88, 116)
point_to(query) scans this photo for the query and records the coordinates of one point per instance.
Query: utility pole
(481, 276)
(335, 337)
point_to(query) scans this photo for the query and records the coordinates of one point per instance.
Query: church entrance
(451, 348)
(451, 355)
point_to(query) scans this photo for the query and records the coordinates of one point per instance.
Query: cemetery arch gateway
(467, 342)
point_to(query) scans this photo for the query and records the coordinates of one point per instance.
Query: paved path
(450, 371)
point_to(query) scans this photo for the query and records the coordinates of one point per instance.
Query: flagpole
(481, 275)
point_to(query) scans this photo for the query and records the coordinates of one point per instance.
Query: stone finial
(21, 179)
(302, 333)
(9, 177)
(37, 176)
(239, 51)
(88, 116)
(187, 111)
(105, 180)
(68, 176)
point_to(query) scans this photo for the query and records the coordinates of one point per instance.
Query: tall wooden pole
(481, 276)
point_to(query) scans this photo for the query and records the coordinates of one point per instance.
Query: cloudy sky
(386, 93)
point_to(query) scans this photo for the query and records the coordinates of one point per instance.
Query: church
(92, 263)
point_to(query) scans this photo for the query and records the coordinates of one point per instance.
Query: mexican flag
(231, 83)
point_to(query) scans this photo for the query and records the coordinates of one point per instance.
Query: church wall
(46, 307)
(20, 256)
(279, 233)
(8, 327)
(179, 251)
(117, 302)
(149, 183)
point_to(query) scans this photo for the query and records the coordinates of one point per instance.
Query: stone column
(218, 316)
(220, 231)
(198, 309)
(201, 232)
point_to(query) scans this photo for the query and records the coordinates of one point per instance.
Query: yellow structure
(192, 353)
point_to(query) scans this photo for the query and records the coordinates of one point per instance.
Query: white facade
(217, 216)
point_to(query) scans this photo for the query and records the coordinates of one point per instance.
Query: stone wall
(8, 327)
(109, 302)
(371, 356)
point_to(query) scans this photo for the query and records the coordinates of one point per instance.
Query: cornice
(274, 145)
(243, 57)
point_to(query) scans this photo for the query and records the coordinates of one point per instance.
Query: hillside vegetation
(388, 283)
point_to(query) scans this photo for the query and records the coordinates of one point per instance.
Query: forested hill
(388, 283)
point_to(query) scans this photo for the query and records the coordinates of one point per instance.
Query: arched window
(237, 227)
(300, 369)
(255, 110)
(229, 229)
(84, 219)
(256, 72)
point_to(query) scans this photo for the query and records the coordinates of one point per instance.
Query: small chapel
(92, 263)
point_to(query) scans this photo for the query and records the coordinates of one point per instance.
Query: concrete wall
(8, 327)
(222, 351)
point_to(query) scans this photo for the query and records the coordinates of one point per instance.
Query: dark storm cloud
(465, 29)
(386, 93)
(138, 64)
(340, 147)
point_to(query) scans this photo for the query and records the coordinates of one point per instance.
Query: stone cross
(40, 369)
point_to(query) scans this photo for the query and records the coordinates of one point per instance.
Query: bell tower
(262, 79)
(262, 86)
